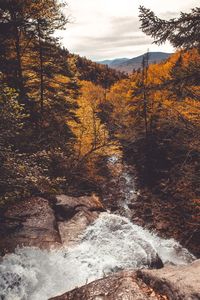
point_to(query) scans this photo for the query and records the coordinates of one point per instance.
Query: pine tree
(12, 27)
(46, 18)
(180, 32)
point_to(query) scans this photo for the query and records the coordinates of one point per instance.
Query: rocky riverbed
(69, 242)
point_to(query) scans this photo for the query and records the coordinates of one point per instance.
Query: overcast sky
(106, 29)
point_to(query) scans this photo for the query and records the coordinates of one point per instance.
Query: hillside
(103, 74)
(128, 65)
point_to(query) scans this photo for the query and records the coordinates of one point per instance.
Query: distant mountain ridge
(113, 62)
(128, 64)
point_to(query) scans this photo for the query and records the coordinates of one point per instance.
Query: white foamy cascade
(111, 243)
(126, 185)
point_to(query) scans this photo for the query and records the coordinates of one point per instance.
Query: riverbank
(167, 178)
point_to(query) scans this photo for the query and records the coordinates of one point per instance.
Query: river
(110, 244)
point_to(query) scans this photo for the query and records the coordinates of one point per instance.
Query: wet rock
(120, 286)
(156, 263)
(178, 283)
(28, 223)
(71, 230)
(66, 207)
(74, 214)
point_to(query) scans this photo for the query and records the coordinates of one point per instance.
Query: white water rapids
(110, 244)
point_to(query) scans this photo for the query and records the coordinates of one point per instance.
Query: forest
(62, 115)
(64, 119)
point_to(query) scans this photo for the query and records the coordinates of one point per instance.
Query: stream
(110, 244)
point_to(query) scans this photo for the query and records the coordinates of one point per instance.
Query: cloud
(111, 42)
(124, 33)
(169, 15)
(106, 29)
(125, 24)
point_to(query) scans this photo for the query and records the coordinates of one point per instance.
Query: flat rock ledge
(168, 283)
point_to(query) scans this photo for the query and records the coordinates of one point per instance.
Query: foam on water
(110, 244)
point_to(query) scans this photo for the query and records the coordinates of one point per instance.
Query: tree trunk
(41, 71)
(144, 82)
(20, 81)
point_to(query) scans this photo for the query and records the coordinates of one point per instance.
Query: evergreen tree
(46, 17)
(12, 27)
(180, 32)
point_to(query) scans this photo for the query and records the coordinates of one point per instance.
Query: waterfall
(110, 244)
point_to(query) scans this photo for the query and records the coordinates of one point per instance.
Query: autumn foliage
(62, 116)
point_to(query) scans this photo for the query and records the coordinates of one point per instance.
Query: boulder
(28, 223)
(169, 283)
(35, 222)
(74, 214)
(177, 283)
(70, 230)
(66, 206)
(120, 286)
